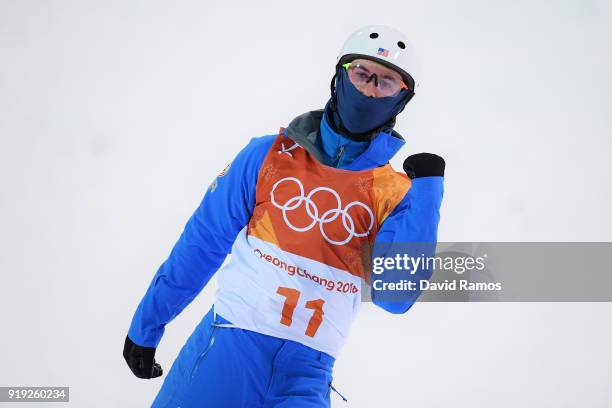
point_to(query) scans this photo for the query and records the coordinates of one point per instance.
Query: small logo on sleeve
(215, 182)
(225, 170)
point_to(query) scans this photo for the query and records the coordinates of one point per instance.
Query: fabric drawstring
(224, 325)
(337, 392)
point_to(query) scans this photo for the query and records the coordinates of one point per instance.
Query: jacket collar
(304, 130)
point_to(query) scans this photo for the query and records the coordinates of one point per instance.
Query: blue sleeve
(414, 220)
(226, 208)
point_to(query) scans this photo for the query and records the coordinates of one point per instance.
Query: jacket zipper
(338, 156)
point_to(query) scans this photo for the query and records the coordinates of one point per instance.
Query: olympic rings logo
(313, 211)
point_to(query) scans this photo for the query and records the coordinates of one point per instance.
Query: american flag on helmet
(383, 52)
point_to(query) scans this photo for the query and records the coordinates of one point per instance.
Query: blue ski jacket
(227, 207)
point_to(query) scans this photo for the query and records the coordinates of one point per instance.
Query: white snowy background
(116, 115)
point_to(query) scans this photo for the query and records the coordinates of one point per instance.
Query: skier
(299, 211)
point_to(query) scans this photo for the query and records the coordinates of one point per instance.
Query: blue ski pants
(223, 367)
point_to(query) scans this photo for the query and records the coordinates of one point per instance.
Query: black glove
(141, 360)
(424, 165)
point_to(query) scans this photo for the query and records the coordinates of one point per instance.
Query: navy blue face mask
(360, 113)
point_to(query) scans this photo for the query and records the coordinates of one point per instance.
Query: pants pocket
(204, 349)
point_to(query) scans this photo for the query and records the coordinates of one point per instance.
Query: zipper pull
(338, 156)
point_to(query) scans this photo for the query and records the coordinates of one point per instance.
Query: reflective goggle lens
(387, 85)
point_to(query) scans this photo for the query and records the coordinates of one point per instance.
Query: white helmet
(383, 44)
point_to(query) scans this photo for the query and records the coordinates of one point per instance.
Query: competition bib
(296, 268)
